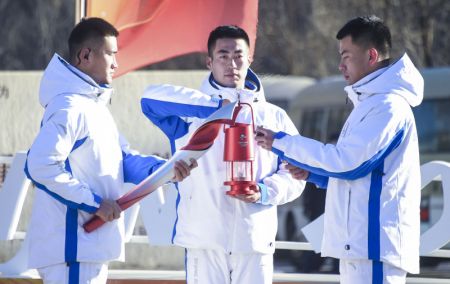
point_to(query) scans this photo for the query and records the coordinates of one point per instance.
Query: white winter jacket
(76, 160)
(206, 217)
(373, 172)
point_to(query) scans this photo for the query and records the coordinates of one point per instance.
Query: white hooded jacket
(77, 159)
(373, 172)
(206, 217)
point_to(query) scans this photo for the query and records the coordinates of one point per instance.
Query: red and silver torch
(239, 155)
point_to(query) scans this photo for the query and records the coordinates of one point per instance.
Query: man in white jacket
(227, 240)
(372, 174)
(79, 163)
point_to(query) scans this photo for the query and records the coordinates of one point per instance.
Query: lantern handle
(236, 112)
(232, 121)
(251, 110)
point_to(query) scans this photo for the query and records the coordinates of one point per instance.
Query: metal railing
(302, 277)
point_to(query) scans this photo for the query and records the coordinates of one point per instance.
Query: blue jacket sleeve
(318, 180)
(136, 167)
(361, 170)
(169, 108)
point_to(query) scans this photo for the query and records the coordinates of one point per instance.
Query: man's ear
(373, 56)
(250, 59)
(209, 62)
(84, 55)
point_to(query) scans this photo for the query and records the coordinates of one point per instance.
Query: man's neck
(383, 63)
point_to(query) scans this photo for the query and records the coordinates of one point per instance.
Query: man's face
(354, 63)
(103, 62)
(230, 62)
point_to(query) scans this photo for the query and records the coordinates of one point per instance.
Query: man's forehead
(345, 44)
(110, 43)
(230, 45)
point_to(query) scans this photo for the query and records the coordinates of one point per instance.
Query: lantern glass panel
(241, 171)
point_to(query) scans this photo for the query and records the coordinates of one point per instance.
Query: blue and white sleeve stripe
(168, 107)
(360, 171)
(136, 167)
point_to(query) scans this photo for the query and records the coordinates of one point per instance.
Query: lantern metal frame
(239, 148)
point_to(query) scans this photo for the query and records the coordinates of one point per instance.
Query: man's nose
(115, 65)
(232, 63)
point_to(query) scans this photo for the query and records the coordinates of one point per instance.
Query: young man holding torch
(79, 163)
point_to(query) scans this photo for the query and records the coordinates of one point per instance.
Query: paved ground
(441, 269)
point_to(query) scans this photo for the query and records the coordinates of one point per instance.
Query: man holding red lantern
(229, 237)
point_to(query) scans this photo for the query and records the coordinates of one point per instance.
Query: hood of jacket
(253, 91)
(60, 77)
(400, 78)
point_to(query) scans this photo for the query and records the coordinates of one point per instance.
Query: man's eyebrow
(228, 51)
(223, 51)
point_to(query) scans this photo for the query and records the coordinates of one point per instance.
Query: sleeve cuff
(220, 104)
(97, 199)
(264, 195)
(318, 180)
(279, 135)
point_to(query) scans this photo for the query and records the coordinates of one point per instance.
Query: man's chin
(349, 81)
(229, 84)
(109, 80)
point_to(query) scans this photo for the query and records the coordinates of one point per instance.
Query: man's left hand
(182, 169)
(250, 198)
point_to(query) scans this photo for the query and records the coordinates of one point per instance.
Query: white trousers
(76, 273)
(208, 266)
(370, 272)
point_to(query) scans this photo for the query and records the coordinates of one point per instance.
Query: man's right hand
(108, 210)
(225, 102)
(264, 137)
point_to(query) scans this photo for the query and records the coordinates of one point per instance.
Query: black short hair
(229, 31)
(89, 29)
(368, 31)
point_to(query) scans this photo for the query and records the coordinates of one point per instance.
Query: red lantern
(239, 155)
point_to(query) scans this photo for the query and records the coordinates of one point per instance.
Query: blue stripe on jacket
(373, 239)
(361, 171)
(68, 203)
(318, 180)
(174, 231)
(167, 116)
(71, 241)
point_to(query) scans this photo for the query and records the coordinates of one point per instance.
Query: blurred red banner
(155, 30)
